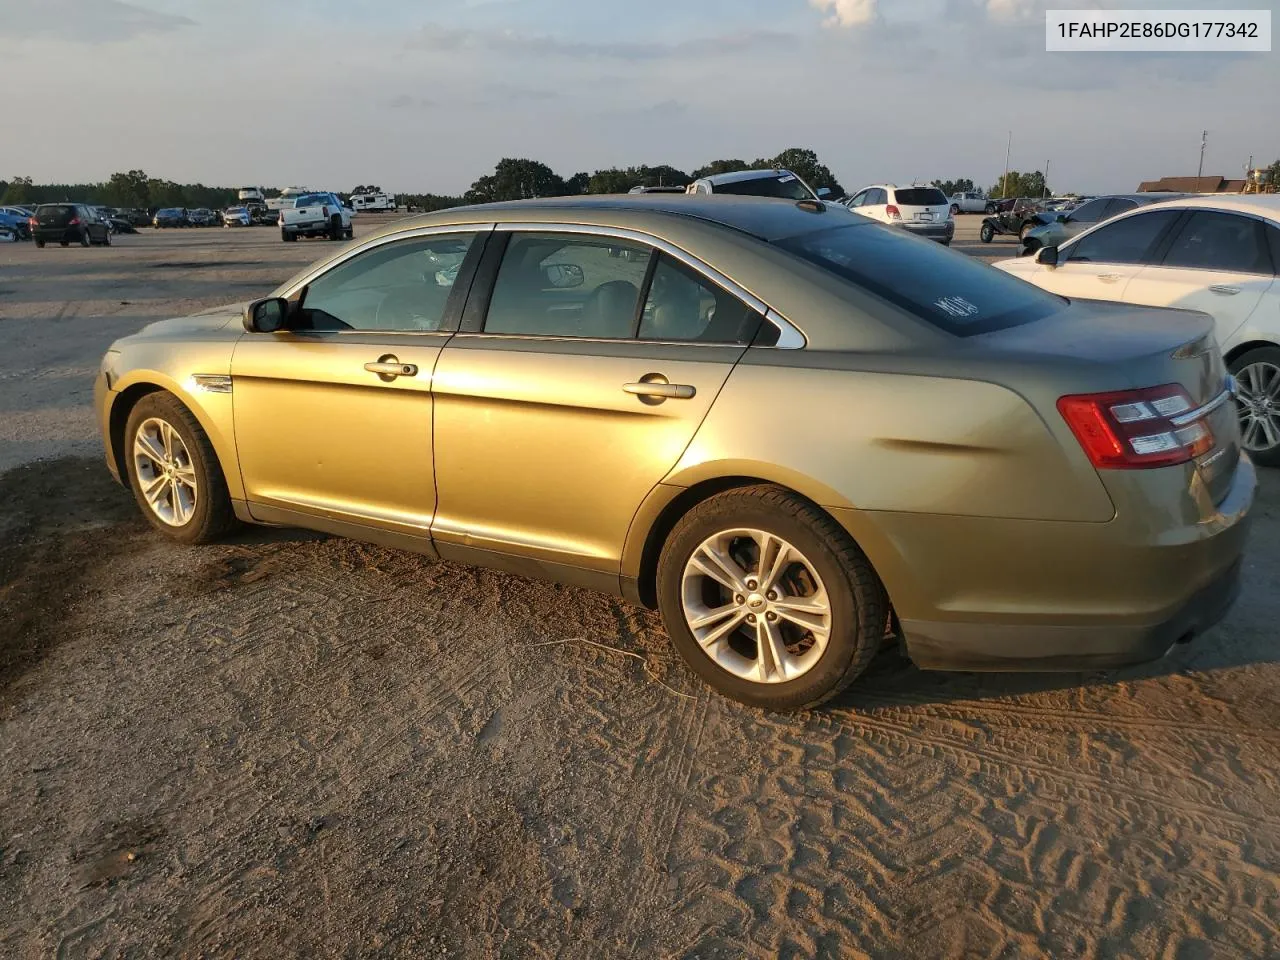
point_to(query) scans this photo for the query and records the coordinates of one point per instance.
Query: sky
(426, 95)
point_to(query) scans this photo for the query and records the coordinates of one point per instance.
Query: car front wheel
(768, 599)
(1257, 374)
(986, 233)
(174, 472)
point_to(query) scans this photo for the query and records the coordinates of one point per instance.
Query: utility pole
(1046, 179)
(1204, 141)
(1004, 183)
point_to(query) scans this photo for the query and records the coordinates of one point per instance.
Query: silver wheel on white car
(1258, 404)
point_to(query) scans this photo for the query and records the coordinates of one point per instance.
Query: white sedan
(1217, 254)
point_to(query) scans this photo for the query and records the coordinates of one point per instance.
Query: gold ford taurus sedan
(783, 425)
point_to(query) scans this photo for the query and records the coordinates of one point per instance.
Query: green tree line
(511, 179)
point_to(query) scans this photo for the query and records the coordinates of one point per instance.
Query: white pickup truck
(316, 215)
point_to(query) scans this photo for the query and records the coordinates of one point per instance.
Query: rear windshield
(787, 187)
(60, 211)
(920, 197)
(168, 212)
(311, 200)
(948, 290)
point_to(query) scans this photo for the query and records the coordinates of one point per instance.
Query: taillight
(32, 222)
(324, 211)
(1136, 428)
(893, 212)
(73, 222)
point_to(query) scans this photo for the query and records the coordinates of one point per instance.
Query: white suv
(924, 211)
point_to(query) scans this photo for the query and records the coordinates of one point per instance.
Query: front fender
(213, 411)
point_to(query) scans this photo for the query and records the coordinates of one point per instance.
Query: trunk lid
(1147, 347)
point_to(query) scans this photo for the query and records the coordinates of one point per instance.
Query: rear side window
(1117, 206)
(1090, 212)
(787, 187)
(920, 197)
(946, 289)
(684, 305)
(1220, 241)
(1127, 241)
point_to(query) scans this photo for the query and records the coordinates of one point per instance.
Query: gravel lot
(295, 745)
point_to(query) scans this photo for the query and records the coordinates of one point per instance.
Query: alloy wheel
(756, 605)
(1258, 405)
(165, 472)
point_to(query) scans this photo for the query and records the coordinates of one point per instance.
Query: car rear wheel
(85, 239)
(1257, 374)
(286, 236)
(768, 599)
(106, 239)
(986, 233)
(66, 243)
(955, 210)
(40, 244)
(174, 472)
(335, 228)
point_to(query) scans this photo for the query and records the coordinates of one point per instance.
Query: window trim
(790, 337)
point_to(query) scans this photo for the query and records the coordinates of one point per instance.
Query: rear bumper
(1002, 647)
(57, 234)
(976, 593)
(944, 230)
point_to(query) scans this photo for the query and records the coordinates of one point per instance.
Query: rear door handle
(389, 368)
(667, 391)
(1224, 290)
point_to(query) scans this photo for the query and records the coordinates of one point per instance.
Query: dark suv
(68, 223)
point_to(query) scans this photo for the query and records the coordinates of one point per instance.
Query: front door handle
(1224, 290)
(388, 368)
(659, 388)
(1108, 277)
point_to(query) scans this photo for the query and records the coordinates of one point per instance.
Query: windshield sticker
(956, 307)
(787, 179)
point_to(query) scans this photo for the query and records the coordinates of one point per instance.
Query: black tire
(40, 244)
(990, 208)
(85, 239)
(286, 236)
(213, 516)
(1271, 355)
(986, 233)
(955, 210)
(335, 227)
(106, 239)
(66, 243)
(859, 606)
(1024, 230)
(350, 233)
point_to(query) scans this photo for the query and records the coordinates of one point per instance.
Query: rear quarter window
(945, 289)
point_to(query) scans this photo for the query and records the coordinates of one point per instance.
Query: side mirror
(824, 192)
(562, 276)
(1047, 256)
(266, 316)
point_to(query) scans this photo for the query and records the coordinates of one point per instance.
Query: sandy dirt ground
(295, 745)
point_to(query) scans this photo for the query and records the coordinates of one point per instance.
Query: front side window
(1090, 212)
(684, 305)
(1126, 241)
(1220, 241)
(942, 288)
(400, 287)
(567, 285)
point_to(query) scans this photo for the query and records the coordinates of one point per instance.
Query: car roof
(764, 217)
(737, 176)
(1260, 204)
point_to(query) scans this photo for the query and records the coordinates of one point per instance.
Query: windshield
(787, 186)
(946, 289)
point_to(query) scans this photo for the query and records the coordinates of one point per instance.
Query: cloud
(846, 13)
(83, 21)
(405, 101)
(513, 43)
